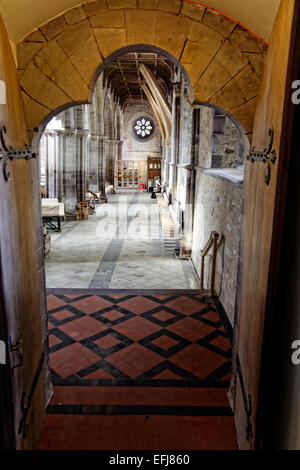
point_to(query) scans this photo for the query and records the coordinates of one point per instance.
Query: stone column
(51, 163)
(70, 171)
(81, 160)
(102, 165)
(60, 152)
(92, 166)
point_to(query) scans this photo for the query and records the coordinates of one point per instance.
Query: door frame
(272, 362)
(7, 431)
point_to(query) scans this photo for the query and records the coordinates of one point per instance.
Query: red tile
(83, 328)
(164, 342)
(221, 342)
(117, 296)
(91, 304)
(107, 342)
(190, 329)
(112, 315)
(137, 328)
(53, 340)
(71, 359)
(134, 360)
(45, 443)
(163, 316)
(139, 305)
(198, 360)
(50, 326)
(62, 315)
(54, 302)
(167, 375)
(186, 305)
(161, 297)
(212, 316)
(99, 374)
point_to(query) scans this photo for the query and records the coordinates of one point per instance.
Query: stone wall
(218, 207)
(78, 149)
(135, 147)
(58, 61)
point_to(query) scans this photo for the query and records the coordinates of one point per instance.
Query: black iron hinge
(26, 400)
(8, 154)
(247, 401)
(266, 156)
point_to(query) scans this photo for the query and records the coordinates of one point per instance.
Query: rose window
(143, 127)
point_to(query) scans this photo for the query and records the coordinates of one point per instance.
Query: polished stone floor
(128, 244)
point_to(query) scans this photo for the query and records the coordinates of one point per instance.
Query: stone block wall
(136, 148)
(218, 207)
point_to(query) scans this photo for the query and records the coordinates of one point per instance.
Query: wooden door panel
(260, 220)
(18, 244)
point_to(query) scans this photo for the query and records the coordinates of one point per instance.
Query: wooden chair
(83, 211)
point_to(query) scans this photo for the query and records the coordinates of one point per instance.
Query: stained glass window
(143, 127)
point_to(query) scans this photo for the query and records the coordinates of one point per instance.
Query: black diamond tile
(126, 315)
(148, 343)
(65, 340)
(76, 314)
(167, 365)
(109, 368)
(175, 316)
(90, 342)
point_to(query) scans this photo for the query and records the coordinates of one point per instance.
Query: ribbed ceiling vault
(125, 80)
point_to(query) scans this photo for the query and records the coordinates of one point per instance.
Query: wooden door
(20, 237)
(263, 218)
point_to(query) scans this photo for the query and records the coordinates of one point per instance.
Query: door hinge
(8, 154)
(266, 156)
(17, 347)
(247, 402)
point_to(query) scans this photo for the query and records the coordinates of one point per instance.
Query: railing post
(215, 237)
(202, 273)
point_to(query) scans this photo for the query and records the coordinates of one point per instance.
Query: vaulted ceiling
(22, 16)
(125, 79)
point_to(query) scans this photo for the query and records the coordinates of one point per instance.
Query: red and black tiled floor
(138, 372)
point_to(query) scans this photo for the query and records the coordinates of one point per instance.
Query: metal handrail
(212, 243)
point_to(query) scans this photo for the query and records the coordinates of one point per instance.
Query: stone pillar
(191, 182)
(70, 171)
(92, 164)
(102, 165)
(81, 147)
(51, 164)
(113, 154)
(175, 137)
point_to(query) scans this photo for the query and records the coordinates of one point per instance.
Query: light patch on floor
(122, 246)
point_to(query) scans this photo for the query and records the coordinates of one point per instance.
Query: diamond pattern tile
(69, 360)
(82, 328)
(163, 316)
(92, 304)
(191, 329)
(164, 342)
(186, 305)
(62, 315)
(137, 328)
(198, 361)
(155, 337)
(54, 302)
(107, 342)
(112, 315)
(139, 305)
(134, 360)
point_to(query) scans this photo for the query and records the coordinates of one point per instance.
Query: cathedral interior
(149, 239)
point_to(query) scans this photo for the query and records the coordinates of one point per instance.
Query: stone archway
(58, 62)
